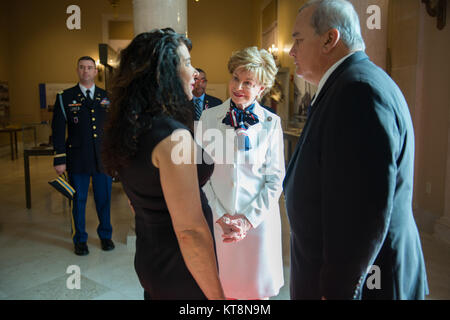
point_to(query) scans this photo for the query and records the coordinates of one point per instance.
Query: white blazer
(243, 182)
(248, 183)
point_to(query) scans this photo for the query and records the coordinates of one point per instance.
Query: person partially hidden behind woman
(175, 257)
(244, 190)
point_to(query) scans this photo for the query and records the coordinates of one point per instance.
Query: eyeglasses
(246, 84)
(200, 80)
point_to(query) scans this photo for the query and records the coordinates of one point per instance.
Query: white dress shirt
(91, 90)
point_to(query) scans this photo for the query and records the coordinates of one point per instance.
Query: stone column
(148, 15)
(151, 14)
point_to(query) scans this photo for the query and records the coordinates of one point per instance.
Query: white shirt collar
(328, 74)
(91, 90)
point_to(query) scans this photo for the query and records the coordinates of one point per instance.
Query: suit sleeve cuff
(59, 159)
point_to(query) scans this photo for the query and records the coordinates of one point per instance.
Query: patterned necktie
(198, 108)
(241, 120)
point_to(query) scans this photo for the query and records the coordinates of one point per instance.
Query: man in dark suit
(349, 184)
(83, 110)
(201, 100)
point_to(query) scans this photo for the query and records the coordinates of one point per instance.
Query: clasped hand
(235, 227)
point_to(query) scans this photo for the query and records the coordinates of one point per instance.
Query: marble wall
(421, 68)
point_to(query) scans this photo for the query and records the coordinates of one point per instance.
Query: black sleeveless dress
(158, 261)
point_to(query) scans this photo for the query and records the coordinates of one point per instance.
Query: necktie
(88, 95)
(198, 108)
(241, 120)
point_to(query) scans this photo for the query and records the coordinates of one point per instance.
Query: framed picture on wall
(303, 93)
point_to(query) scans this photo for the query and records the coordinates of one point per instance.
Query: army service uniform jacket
(84, 120)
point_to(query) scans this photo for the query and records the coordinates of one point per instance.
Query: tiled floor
(36, 249)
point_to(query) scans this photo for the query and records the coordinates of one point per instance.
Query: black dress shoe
(81, 249)
(107, 244)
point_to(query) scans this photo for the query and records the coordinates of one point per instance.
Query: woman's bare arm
(181, 191)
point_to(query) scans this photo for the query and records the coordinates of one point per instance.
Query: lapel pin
(269, 118)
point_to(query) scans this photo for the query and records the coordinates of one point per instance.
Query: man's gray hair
(338, 14)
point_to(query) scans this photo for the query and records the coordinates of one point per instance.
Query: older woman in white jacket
(246, 143)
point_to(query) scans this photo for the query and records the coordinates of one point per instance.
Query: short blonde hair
(260, 62)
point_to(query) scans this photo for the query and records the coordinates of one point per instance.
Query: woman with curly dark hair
(175, 257)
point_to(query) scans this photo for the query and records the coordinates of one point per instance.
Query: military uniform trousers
(101, 185)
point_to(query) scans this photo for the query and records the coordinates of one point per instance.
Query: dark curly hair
(146, 84)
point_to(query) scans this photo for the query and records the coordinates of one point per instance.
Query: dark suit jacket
(211, 102)
(84, 121)
(208, 102)
(348, 191)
